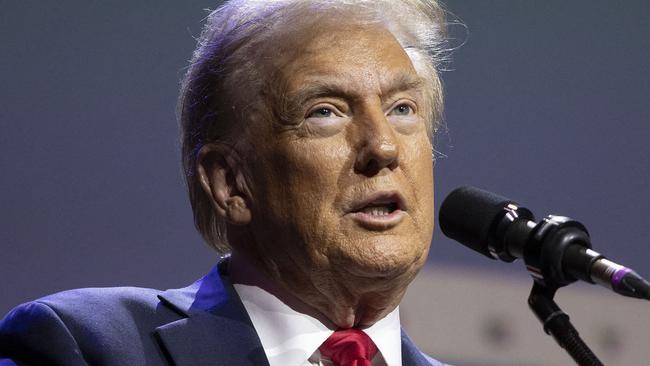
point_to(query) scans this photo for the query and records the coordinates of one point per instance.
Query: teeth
(376, 211)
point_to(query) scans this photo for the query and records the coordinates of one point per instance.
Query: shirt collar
(290, 336)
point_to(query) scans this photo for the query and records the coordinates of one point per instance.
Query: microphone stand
(556, 324)
(543, 256)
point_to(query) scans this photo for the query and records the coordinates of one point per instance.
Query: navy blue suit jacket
(203, 324)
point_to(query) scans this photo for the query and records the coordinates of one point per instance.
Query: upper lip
(379, 198)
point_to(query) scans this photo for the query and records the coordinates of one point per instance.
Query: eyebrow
(404, 81)
(332, 88)
(290, 104)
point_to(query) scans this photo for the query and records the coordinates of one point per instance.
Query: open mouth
(379, 211)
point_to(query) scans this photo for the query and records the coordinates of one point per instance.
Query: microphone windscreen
(468, 213)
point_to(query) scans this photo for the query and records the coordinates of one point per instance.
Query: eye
(402, 110)
(322, 112)
(325, 119)
(404, 116)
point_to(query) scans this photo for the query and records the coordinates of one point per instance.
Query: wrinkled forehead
(359, 56)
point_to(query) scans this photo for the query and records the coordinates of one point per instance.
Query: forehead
(360, 58)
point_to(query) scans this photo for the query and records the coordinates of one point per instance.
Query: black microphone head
(469, 214)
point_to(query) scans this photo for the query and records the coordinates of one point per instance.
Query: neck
(334, 302)
(334, 296)
(243, 270)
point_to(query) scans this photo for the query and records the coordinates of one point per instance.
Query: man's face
(341, 178)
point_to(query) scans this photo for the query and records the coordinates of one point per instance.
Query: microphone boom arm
(556, 251)
(556, 324)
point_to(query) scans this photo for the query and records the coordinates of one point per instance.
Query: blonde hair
(224, 63)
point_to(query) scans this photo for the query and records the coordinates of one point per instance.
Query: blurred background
(547, 102)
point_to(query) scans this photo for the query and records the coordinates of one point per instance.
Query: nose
(377, 146)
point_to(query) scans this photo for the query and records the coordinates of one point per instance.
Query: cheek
(419, 170)
(314, 167)
(301, 202)
(299, 178)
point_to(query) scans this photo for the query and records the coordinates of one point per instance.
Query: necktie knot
(349, 347)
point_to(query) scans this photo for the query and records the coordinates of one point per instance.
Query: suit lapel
(411, 355)
(215, 330)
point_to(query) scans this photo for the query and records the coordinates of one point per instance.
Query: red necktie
(349, 347)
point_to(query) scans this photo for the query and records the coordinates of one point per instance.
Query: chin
(385, 257)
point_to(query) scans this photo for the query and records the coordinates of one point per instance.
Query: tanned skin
(343, 131)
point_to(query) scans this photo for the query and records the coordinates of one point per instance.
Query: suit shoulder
(103, 310)
(23, 330)
(92, 302)
(77, 321)
(101, 297)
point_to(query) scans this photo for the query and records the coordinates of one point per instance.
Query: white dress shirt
(290, 336)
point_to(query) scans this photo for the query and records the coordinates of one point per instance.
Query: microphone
(556, 250)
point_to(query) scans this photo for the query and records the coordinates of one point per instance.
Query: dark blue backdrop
(547, 102)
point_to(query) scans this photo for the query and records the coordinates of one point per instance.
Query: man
(307, 130)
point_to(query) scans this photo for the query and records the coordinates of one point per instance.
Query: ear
(219, 170)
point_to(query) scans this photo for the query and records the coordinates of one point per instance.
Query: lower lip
(376, 222)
